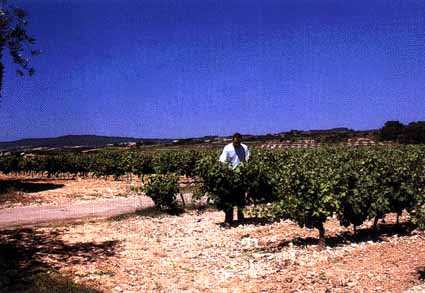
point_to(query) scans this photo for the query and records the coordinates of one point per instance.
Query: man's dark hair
(237, 135)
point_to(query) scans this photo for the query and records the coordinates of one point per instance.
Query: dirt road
(11, 218)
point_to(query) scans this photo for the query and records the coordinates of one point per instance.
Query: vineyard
(306, 186)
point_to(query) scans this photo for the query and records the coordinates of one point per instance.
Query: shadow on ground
(249, 221)
(151, 212)
(362, 235)
(22, 268)
(421, 273)
(154, 212)
(143, 212)
(7, 186)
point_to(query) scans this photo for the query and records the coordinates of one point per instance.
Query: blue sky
(192, 68)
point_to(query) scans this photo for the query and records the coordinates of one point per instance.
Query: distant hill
(92, 141)
(96, 141)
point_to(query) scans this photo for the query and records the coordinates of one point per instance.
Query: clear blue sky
(192, 68)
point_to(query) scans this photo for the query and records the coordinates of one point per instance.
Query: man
(235, 152)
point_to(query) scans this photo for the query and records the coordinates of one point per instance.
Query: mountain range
(91, 141)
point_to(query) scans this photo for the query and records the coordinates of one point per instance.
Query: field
(153, 251)
(193, 252)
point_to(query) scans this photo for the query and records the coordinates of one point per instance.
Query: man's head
(236, 139)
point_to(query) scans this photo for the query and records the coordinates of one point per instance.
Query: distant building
(127, 143)
(311, 143)
(306, 143)
(360, 141)
(39, 148)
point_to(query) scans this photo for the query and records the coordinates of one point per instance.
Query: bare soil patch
(194, 253)
(26, 191)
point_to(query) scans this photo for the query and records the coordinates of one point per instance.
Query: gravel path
(11, 218)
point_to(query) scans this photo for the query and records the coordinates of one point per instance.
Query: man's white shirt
(229, 154)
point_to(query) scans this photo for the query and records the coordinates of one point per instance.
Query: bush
(163, 190)
(225, 186)
(305, 189)
(419, 217)
(261, 176)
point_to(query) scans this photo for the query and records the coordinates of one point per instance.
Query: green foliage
(260, 176)
(353, 187)
(391, 130)
(225, 185)
(354, 184)
(163, 189)
(413, 133)
(142, 164)
(305, 185)
(306, 188)
(14, 38)
(419, 217)
(180, 162)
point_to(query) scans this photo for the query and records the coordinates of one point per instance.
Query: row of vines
(310, 185)
(102, 164)
(304, 185)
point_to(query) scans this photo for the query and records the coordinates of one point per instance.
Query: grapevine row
(304, 185)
